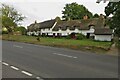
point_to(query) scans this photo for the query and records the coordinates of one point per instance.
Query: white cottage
(46, 27)
(65, 28)
(89, 27)
(103, 34)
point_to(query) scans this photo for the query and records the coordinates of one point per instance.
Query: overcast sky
(42, 10)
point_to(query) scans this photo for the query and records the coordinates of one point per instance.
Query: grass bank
(85, 45)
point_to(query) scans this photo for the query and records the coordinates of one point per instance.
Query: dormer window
(74, 27)
(67, 27)
(91, 26)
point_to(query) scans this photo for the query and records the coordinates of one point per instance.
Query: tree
(8, 23)
(21, 29)
(96, 16)
(57, 18)
(10, 17)
(114, 9)
(75, 11)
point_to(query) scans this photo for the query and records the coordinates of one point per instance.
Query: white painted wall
(35, 33)
(67, 32)
(64, 33)
(103, 37)
(48, 30)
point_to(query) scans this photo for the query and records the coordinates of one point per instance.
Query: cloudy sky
(42, 10)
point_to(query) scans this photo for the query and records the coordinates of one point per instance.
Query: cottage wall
(103, 37)
(67, 32)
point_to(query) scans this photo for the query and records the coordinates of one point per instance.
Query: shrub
(32, 34)
(68, 37)
(4, 32)
(118, 43)
(80, 36)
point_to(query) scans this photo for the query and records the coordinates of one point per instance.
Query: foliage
(10, 17)
(114, 9)
(8, 23)
(4, 32)
(80, 36)
(75, 11)
(57, 18)
(68, 37)
(96, 16)
(59, 42)
(21, 29)
(119, 44)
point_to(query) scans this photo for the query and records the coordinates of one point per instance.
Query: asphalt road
(8, 72)
(50, 62)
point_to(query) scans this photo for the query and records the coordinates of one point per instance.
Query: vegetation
(85, 44)
(10, 17)
(21, 29)
(75, 11)
(114, 9)
(96, 16)
(81, 37)
(68, 37)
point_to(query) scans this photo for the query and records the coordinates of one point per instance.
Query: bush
(4, 32)
(68, 37)
(80, 36)
(32, 34)
(118, 43)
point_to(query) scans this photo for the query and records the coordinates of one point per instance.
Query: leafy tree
(57, 18)
(21, 29)
(10, 17)
(96, 16)
(114, 9)
(8, 23)
(75, 11)
(81, 36)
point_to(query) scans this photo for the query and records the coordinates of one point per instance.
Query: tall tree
(114, 9)
(75, 11)
(10, 17)
(21, 29)
(96, 16)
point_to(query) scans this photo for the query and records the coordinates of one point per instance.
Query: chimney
(101, 16)
(85, 17)
(35, 21)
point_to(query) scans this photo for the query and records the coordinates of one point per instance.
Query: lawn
(85, 44)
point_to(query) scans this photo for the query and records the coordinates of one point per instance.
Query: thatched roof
(72, 24)
(47, 24)
(103, 31)
(33, 27)
(79, 24)
(41, 25)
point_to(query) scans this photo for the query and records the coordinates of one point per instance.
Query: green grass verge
(86, 44)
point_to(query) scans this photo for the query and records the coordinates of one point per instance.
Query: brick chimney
(85, 17)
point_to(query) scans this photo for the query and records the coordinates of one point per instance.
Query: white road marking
(65, 55)
(27, 73)
(37, 77)
(5, 64)
(15, 68)
(74, 57)
(17, 46)
(22, 71)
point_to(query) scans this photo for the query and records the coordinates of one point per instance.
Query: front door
(88, 35)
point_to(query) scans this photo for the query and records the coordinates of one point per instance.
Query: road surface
(51, 62)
